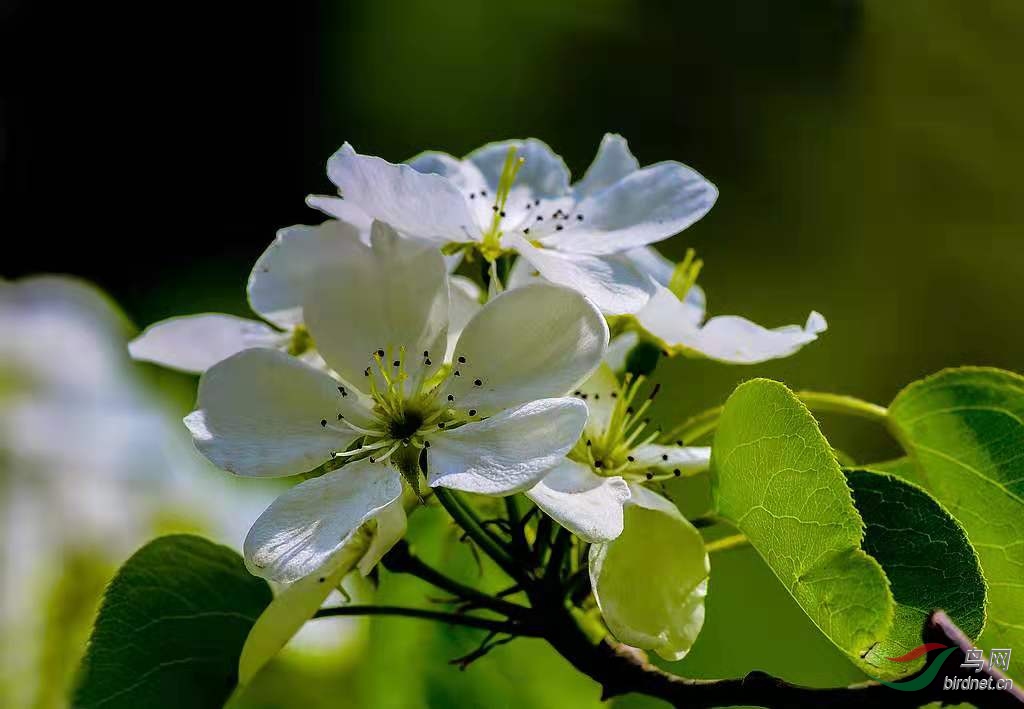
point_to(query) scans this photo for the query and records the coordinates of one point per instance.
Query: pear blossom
(494, 420)
(276, 289)
(675, 318)
(515, 196)
(599, 493)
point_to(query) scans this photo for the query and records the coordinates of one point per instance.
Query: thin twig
(401, 560)
(510, 627)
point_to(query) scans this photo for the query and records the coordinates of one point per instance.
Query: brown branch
(621, 670)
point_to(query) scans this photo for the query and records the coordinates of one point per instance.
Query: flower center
(407, 409)
(609, 452)
(490, 247)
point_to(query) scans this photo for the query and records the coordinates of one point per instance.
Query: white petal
(651, 581)
(465, 176)
(426, 206)
(259, 413)
(619, 348)
(542, 176)
(669, 319)
(644, 207)
(303, 528)
(509, 452)
(391, 525)
(463, 304)
(612, 282)
(588, 505)
(289, 611)
(726, 338)
(688, 460)
(299, 257)
(522, 274)
(342, 210)
(599, 391)
(194, 343)
(528, 343)
(394, 294)
(612, 163)
(649, 260)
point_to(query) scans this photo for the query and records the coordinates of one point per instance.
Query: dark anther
(598, 463)
(366, 372)
(322, 579)
(583, 396)
(427, 361)
(343, 391)
(458, 373)
(451, 397)
(494, 208)
(426, 353)
(380, 353)
(472, 195)
(462, 360)
(615, 395)
(631, 459)
(540, 218)
(483, 193)
(576, 393)
(536, 203)
(426, 444)
(472, 412)
(559, 227)
(323, 422)
(477, 382)
(440, 424)
(679, 443)
(664, 456)
(501, 213)
(579, 217)
(589, 443)
(340, 417)
(526, 230)
(629, 410)
(677, 472)
(650, 476)
(597, 397)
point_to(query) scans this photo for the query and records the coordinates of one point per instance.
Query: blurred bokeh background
(868, 156)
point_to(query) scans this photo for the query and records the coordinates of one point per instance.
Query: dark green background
(868, 157)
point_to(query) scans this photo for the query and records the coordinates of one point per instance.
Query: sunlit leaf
(965, 430)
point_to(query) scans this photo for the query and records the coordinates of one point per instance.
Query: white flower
(678, 324)
(599, 494)
(515, 196)
(484, 423)
(277, 288)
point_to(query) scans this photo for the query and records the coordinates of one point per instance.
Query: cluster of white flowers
(377, 371)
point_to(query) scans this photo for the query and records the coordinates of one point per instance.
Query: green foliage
(776, 478)
(964, 428)
(171, 627)
(926, 555)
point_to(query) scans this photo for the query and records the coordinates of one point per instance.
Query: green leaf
(171, 627)
(926, 555)
(965, 430)
(775, 478)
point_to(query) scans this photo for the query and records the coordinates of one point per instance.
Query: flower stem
(696, 427)
(842, 404)
(731, 542)
(467, 519)
(495, 626)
